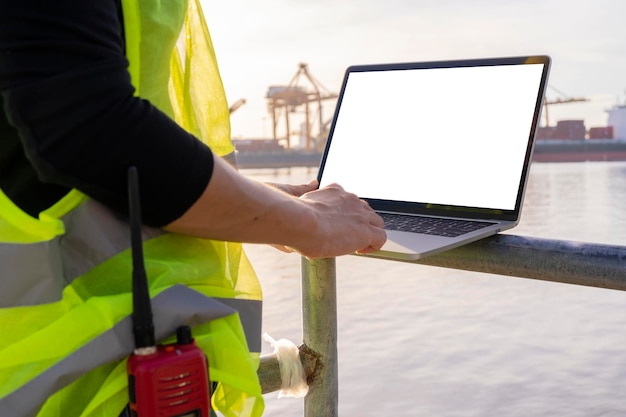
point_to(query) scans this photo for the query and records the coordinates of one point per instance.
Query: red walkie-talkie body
(171, 382)
(166, 380)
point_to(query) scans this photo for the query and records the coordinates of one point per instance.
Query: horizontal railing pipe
(589, 264)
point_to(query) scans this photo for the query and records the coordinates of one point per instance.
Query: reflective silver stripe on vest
(37, 273)
(31, 274)
(250, 313)
(173, 307)
(93, 234)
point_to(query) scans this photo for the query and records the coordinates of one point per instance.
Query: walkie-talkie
(165, 380)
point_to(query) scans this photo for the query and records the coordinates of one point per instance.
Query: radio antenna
(143, 325)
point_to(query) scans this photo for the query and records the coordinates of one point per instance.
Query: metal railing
(593, 265)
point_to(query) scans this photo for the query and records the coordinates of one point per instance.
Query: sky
(259, 43)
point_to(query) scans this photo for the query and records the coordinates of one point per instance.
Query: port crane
(560, 100)
(287, 99)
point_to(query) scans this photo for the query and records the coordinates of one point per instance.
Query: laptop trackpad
(413, 245)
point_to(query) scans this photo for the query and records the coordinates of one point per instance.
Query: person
(89, 89)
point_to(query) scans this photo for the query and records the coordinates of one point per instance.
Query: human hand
(345, 224)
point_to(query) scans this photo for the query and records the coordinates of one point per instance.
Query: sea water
(417, 340)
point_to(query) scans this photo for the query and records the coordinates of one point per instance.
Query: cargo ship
(568, 141)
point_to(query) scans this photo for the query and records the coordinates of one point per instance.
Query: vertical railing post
(319, 325)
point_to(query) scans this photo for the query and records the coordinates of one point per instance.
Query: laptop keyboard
(431, 225)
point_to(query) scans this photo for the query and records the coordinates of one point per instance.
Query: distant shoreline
(552, 150)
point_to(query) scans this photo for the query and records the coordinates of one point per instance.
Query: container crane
(291, 97)
(563, 100)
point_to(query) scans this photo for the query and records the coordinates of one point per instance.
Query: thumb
(298, 190)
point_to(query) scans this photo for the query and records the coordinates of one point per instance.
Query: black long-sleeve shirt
(69, 118)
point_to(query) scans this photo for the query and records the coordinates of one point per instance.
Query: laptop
(448, 143)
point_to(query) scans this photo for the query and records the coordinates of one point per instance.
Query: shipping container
(570, 129)
(602, 132)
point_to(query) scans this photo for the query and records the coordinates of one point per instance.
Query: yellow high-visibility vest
(65, 294)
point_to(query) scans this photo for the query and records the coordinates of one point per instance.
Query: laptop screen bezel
(441, 210)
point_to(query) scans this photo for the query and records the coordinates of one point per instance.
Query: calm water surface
(425, 341)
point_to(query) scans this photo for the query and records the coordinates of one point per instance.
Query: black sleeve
(67, 93)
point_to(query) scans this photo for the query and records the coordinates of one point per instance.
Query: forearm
(236, 208)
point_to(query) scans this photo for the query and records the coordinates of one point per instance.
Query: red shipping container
(570, 129)
(603, 132)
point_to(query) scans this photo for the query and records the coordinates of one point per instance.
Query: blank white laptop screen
(450, 136)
